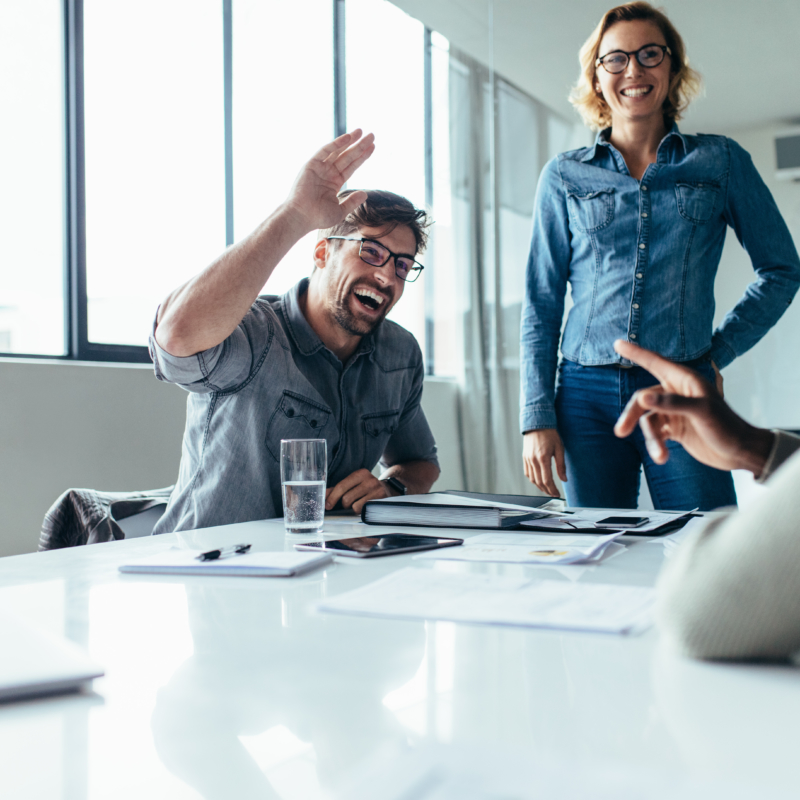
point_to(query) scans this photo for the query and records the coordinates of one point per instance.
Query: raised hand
(686, 408)
(313, 197)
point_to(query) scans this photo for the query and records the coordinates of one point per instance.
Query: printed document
(499, 600)
(527, 548)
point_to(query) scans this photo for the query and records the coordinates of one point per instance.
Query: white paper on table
(526, 548)
(499, 600)
(672, 540)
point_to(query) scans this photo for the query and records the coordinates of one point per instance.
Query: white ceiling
(748, 52)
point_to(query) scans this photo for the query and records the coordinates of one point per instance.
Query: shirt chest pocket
(696, 201)
(591, 210)
(296, 417)
(378, 426)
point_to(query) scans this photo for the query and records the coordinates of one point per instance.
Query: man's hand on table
(355, 490)
(688, 409)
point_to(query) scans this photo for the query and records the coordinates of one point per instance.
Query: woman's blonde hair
(684, 84)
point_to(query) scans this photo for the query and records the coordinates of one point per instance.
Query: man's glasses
(651, 55)
(376, 255)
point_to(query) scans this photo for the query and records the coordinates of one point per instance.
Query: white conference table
(238, 688)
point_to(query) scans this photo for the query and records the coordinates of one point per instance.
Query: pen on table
(222, 552)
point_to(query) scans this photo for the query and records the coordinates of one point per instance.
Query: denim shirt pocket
(591, 210)
(696, 201)
(296, 417)
(378, 426)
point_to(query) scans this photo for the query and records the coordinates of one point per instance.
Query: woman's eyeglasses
(651, 55)
(376, 255)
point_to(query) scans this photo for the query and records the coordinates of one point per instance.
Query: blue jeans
(602, 470)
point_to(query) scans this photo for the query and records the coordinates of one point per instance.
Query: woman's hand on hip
(539, 448)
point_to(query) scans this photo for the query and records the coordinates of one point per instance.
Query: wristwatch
(397, 485)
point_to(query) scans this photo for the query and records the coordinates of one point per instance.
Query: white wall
(64, 425)
(764, 384)
(115, 428)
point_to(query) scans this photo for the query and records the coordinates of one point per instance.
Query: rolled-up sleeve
(752, 213)
(219, 368)
(543, 304)
(413, 440)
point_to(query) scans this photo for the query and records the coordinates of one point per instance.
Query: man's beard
(349, 322)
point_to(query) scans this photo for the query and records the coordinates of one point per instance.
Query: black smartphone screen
(624, 522)
(389, 543)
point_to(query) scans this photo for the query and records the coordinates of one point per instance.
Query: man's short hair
(385, 211)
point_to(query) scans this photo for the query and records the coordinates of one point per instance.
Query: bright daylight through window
(277, 123)
(32, 184)
(389, 103)
(155, 168)
(162, 190)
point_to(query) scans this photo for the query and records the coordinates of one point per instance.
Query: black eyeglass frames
(376, 255)
(651, 55)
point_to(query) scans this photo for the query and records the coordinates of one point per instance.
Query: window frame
(77, 346)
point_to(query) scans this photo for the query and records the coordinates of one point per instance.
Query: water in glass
(303, 480)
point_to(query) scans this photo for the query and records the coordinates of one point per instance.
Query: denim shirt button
(639, 275)
(289, 412)
(641, 246)
(644, 188)
(313, 423)
(633, 336)
(636, 305)
(644, 213)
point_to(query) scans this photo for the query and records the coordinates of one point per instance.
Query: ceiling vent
(787, 155)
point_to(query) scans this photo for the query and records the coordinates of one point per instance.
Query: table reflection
(268, 687)
(731, 719)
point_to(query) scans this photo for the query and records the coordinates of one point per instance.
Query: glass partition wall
(490, 139)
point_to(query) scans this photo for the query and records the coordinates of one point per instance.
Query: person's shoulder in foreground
(731, 590)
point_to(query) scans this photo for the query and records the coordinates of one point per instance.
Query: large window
(147, 137)
(389, 102)
(278, 121)
(155, 168)
(32, 178)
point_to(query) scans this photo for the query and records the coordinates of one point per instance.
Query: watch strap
(397, 485)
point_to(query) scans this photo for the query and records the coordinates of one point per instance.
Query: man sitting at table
(319, 362)
(732, 590)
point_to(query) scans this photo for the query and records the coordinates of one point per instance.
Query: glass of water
(304, 473)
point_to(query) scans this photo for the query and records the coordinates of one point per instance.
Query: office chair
(86, 516)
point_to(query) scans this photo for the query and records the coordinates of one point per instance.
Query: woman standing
(636, 224)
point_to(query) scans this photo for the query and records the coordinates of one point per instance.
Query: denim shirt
(273, 379)
(641, 258)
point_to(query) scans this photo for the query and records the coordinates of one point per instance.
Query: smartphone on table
(384, 545)
(623, 522)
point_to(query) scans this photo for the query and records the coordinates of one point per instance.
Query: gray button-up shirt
(274, 379)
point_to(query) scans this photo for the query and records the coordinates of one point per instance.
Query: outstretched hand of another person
(688, 409)
(539, 448)
(314, 195)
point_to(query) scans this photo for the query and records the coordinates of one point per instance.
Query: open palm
(314, 195)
